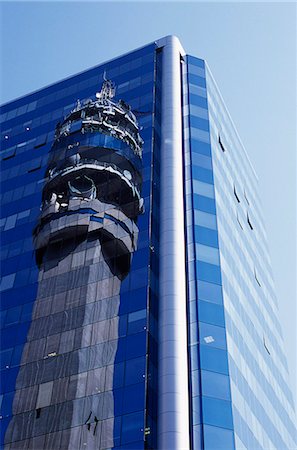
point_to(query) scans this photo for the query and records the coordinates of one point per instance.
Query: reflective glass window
(217, 412)
(7, 282)
(205, 219)
(201, 160)
(200, 135)
(211, 313)
(204, 189)
(197, 80)
(198, 111)
(214, 359)
(196, 418)
(216, 438)
(207, 254)
(198, 122)
(132, 427)
(5, 358)
(133, 398)
(202, 174)
(195, 377)
(136, 321)
(206, 236)
(135, 370)
(13, 315)
(200, 147)
(197, 437)
(136, 345)
(212, 335)
(10, 222)
(196, 70)
(215, 385)
(208, 272)
(204, 204)
(210, 292)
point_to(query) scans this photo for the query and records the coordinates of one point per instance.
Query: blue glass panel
(135, 297)
(5, 358)
(196, 70)
(132, 427)
(134, 398)
(206, 236)
(123, 325)
(214, 359)
(13, 315)
(196, 410)
(201, 174)
(204, 204)
(200, 147)
(136, 321)
(195, 61)
(215, 385)
(195, 379)
(132, 446)
(211, 313)
(204, 219)
(210, 292)
(118, 375)
(135, 370)
(6, 402)
(212, 335)
(204, 189)
(216, 438)
(200, 135)
(3, 317)
(198, 122)
(192, 311)
(8, 381)
(201, 160)
(217, 412)
(207, 254)
(208, 272)
(195, 79)
(198, 101)
(194, 349)
(136, 345)
(197, 437)
(17, 355)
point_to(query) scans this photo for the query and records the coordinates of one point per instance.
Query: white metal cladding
(173, 414)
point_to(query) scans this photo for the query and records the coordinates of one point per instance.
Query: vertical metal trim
(173, 414)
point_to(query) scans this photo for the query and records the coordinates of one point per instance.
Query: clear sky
(251, 50)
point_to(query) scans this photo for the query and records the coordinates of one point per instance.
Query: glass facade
(80, 296)
(262, 404)
(75, 304)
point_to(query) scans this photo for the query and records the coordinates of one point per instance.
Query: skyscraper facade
(137, 300)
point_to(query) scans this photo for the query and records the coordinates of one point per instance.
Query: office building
(138, 305)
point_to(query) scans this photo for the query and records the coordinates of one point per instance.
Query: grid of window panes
(262, 403)
(28, 126)
(212, 423)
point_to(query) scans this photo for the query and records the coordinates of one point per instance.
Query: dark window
(9, 153)
(236, 196)
(256, 277)
(265, 346)
(238, 220)
(221, 144)
(249, 222)
(34, 165)
(40, 140)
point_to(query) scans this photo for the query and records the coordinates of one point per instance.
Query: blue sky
(251, 50)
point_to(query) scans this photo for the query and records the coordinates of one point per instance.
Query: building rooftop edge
(159, 42)
(231, 120)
